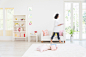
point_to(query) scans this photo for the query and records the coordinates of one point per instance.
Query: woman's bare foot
(60, 41)
(51, 41)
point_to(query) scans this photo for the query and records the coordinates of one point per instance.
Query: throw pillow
(45, 32)
(61, 33)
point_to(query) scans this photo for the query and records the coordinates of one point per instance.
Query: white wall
(43, 12)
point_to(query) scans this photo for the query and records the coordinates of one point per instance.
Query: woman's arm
(59, 25)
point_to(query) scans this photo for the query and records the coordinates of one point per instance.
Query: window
(77, 17)
(9, 21)
(72, 19)
(1, 21)
(67, 18)
(76, 20)
(84, 20)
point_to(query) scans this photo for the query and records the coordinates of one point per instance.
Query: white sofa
(48, 38)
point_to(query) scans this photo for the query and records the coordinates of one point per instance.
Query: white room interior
(43, 12)
(42, 15)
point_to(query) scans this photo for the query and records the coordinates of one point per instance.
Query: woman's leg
(58, 37)
(52, 37)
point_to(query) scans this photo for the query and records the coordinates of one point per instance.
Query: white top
(56, 27)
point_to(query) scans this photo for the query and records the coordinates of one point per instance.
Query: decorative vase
(35, 31)
(71, 38)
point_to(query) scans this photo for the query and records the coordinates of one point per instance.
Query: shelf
(19, 21)
(19, 26)
(32, 35)
(19, 37)
(19, 32)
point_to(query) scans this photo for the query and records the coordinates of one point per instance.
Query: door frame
(80, 17)
(4, 37)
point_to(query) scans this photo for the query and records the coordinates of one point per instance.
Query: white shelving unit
(19, 27)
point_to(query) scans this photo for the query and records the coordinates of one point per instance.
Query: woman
(56, 28)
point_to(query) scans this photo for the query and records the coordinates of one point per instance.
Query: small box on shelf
(20, 35)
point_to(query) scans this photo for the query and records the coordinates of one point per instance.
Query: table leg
(36, 39)
(41, 41)
(64, 41)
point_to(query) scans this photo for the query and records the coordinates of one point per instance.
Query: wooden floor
(18, 48)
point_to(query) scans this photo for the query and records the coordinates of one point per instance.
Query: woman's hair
(56, 16)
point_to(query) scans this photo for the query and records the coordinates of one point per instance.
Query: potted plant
(71, 32)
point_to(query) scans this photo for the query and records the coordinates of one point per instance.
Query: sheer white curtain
(1, 21)
(9, 21)
(84, 21)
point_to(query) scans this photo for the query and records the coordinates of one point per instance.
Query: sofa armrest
(64, 35)
(41, 35)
